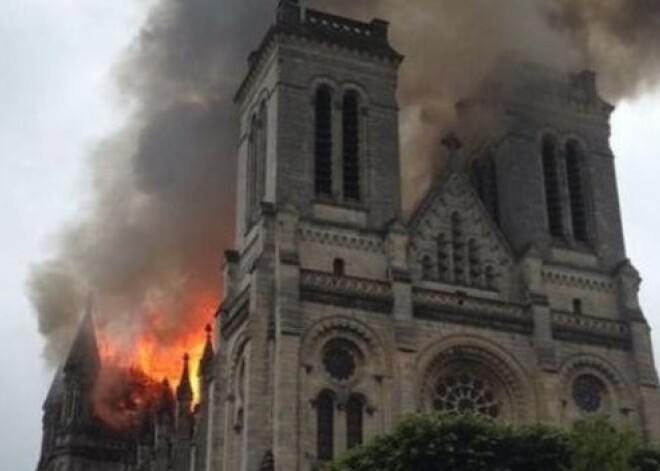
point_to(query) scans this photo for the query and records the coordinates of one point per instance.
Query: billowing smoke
(161, 214)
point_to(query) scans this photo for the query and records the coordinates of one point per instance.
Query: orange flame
(152, 357)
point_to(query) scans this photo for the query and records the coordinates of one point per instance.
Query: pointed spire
(166, 405)
(56, 392)
(84, 354)
(184, 390)
(206, 363)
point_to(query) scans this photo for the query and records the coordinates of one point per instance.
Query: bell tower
(319, 121)
(318, 150)
(545, 165)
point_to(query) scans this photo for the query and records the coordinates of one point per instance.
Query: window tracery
(464, 391)
(340, 360)
(588, 393)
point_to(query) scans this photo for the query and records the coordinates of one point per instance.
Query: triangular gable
(453, 193)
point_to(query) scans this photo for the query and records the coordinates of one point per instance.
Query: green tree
(598, 446)
(460, 443)
(454, 442)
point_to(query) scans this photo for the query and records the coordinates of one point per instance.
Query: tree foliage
(473, 443)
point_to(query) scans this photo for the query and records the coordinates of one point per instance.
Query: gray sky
(58, 99)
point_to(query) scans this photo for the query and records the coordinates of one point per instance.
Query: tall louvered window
(576, 190)
(484, 180)
(552, 186)
(251, 177)
(351, 146)
(354, 421)
(262, 152)
(323, 142)
(458, 249)
(325, 426)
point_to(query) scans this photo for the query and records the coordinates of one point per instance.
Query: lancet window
(354, 421)
(576, 190)
(262, 152)
(458, 249)
(351, 146)
(551, 177)
(443, 258)
(474, 262)
(251, 177)
(325, 411)
(323, 142)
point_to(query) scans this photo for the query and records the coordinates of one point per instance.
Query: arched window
(552, 186)
(491, 278)
(262, 152)
(339, 267)
(427, 268)
(251, 177)
(351, 146)
(576, 190)
(484, 180)
(443, 260)
(325, 412)
(458, 249)
(474, 260)
(354, 421)
(323, 142)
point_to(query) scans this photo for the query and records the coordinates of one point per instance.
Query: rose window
(465, 392)
(339, 360)
(588, 392)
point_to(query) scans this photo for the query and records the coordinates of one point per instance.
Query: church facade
(507, 292)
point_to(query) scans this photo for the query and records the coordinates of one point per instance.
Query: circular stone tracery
(465, 392)
(339, 360)
(588, 393)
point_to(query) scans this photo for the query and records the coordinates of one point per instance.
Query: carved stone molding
(342, 238)
(461, 309)
(592, 330)
(579, 281)
(346, 291)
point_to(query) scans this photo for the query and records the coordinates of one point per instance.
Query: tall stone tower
(318, 183)
(507, 292)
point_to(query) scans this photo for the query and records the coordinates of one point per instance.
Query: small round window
(340, 359)
(588, 393)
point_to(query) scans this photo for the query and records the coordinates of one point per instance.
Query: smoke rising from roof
(162, 208)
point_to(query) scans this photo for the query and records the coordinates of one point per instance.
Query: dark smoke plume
(162, 210)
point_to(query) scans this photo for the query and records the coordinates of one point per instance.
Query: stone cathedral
(507, 292)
